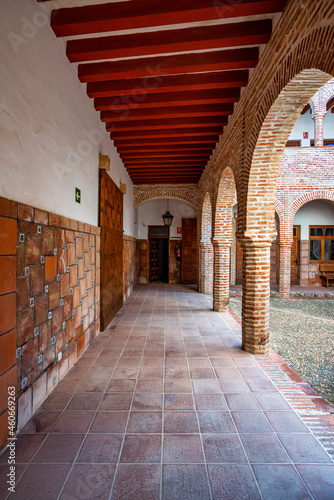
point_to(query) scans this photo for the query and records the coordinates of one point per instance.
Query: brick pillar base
(221, 275)
(205, 268)
(255, 297)
(284, 269)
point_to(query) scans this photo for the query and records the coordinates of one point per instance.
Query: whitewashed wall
(50, 134)
(314, 213)
(305, 123)
(150, 214)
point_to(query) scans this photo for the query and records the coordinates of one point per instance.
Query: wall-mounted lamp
(167, 216)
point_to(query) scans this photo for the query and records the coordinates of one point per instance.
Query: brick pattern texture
(52, 298)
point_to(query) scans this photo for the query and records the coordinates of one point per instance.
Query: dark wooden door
(111, 222)
(295, 256)
(154, 259)
(189, 251)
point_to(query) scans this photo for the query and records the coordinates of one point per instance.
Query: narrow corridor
(165, 405)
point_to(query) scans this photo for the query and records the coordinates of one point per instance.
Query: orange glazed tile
(54, 220)
(50, 268)
(7, 312)
(8, 208)
(41, 217)
(8, 350)
(8, 379)
(7, 274)
(8, 236)
(3, 429)
(25, 212)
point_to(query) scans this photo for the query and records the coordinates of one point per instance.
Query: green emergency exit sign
(78, 195)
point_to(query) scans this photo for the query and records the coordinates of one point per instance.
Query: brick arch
(225, 200)
(299, 75)
(187, 193)
(310, 196)
(318, 103)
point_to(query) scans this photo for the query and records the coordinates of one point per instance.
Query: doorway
(158, 253)
(295, 256)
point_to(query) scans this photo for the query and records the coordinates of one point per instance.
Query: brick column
(284, 269)
(255, 296)
(221, 275)
(318, 129)
(205, 267)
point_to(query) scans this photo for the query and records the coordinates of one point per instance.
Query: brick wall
(130, 265)
(55, 301)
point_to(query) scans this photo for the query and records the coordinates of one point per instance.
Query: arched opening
(205, 248)
(259, 210)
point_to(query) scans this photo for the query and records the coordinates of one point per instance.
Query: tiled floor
(165, 405)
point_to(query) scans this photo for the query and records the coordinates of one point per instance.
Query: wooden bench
(327, 274)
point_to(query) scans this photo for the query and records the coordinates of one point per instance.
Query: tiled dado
(57, 299)
(130, 265)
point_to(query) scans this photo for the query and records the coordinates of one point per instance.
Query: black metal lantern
(167, 216)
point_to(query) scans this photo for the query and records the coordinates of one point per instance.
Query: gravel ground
(302, 332)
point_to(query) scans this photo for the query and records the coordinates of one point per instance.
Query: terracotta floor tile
(271, 401)
(74, 422)
(100, 372)
(57, 401)
(285, 421)
(259, 385)
(180, 422)
(137, 482)
(116, 401)
(231, 482)
(125, 372)
(210, 402)
(148, 386)
(253, 422)
(89, 481)
(206, 386)
(241, 401)
(304, 449)
(42, 481)
(319, 479)
(179, 402)
(19, 470)
(233, 385)
(85, 401)
(177, 385)
(280, 482)
(264, 448)
(216, 421)
(109, 422)
(223, 448)
(188, 482)
(182, 449)
(177, 372)
(201, 373)
(145, 422)
(119, 385)
(151, 372)
(59, 448)
(25, 448)
(228, 373)
(100, 448)
(145, 448)
(92, 385)
(147, 402)
(41, 422)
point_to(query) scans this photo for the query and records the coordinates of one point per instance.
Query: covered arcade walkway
(165, 405)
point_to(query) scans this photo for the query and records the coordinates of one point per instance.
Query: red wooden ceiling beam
(166, 142)
(220, 60)
(167, 157)
(138, 14)
(199, 97)
(171, 112)
(162, 162)
(162, 42)
(165, 147)
(137, 87)
(167, 123)
(167, 133)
